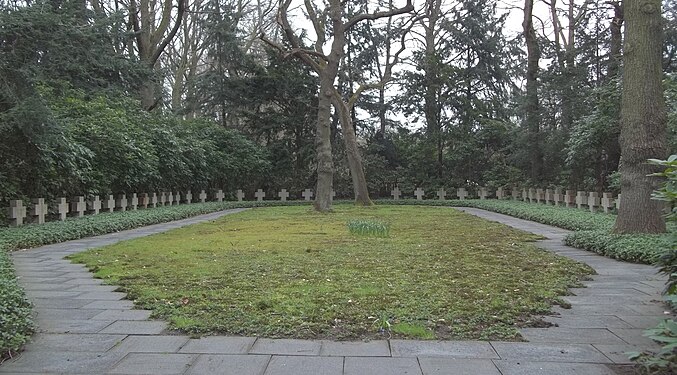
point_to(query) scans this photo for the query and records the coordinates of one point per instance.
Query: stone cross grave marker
(78, 206)
(569, 198)
(607, 202)
(461, 193)
(500, 194)
(39, 210)
(134, 202)
(332, 195)
(202, 196)
(219, 196)
(557, 197)
(144, 200)
(240, 195)
(540, 196)
(515, 194)
(525, 195)
(548, 196)
(62, 208)
(581, 199)
(188, 197)
(170, 198)
(532, 195)
(593, 201)
(441, 194)
(483, 193)
(108, 204)
(396, 193)
(307, 194)
(17, 212)
(260, 194)
(94, 205)
(163, 198)
(618, 202)
(177, 198)
(283, 195)
(419, 194)
(121, 203)
(153, 200)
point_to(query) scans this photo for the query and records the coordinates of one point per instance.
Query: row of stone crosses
(79, 206)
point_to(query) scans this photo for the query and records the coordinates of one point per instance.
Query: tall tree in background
(643, 118)
(531, 106)
(332, 20)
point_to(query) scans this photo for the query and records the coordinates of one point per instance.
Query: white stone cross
(557, 196)
(109, 204)
(515, 194)
(203, 196)
(333, 195)
(62, 208)
(177, 198)
(188, 197)
(17, 212)
(121, 203)
(483, 193)
(134, 202)
(607, 202)
(540, 196)
(219, 195)
(170, 198)
(260, 194)
(618, 202)
(39, 210)
(419, 194)
(284, 194)
(532, 195)
(94, 205)
(153, 200)
(500, 194)
(239, 194)
(525, 195)
(78, 206)
(593, 201)
(396, 193)
(569, 198)
(548, 196)
(581, 199)
(307, 194)
(441, 194)
(163, 198)
(461, 193)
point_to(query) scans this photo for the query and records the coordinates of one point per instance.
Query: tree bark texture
(532, 106)
(643, 118)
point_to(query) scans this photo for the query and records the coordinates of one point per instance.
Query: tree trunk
(325, 163)
(616, 40)
(532, 107)
(643, 118)
(353, 153)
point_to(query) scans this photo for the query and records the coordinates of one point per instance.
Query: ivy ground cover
(291, 272)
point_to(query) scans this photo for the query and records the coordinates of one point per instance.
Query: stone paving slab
(157, 364)
(381, 366)
(303, 365)
(219, 345)
(230, 364)
(607, 319)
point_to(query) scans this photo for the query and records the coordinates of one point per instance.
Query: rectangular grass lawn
(291, 272)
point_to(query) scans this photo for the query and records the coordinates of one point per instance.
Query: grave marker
(260, 194)
(540, 196)
(618, 202)
(203, 196)
(240, 195)
(607, 202)
(94, 205)
(17, 212)
(515, 194)
(121, 203)
(307, 194)
(170, 198)
(396, 193)
(163, 198)
(461, 193)
(593, 201)
(557, 196)
(283, 195)
(78, 206)
(441, 194)
(500, 194)
(419, 194)
(581, 199)
(177, 198)
(108, 204)
(153, 200)
(219, 196)
(569, 198)
(144, 200)
(62, 208)
(548, 196)
(188, 197)
(39, 210)
(134, 202)
(332, 195)
(525, 195)
(483, 193)
(532, 195)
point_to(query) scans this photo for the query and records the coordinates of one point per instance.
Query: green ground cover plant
(16, 323)
(291, 272)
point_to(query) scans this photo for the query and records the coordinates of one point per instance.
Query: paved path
(88, 328)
